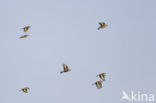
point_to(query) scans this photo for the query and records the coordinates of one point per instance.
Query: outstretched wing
(102, 23)
(102, 76)
(25, 28)
(65, 67)
(25, 90)
(24, 36)
(98, 84)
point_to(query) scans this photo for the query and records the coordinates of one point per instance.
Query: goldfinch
(102, 76)
(24, 36)
(102, 25)
(26, 28)
(66, 69)
(98, 84)
(25, 90)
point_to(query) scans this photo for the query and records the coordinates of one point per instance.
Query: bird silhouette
(66, 69)
(102, 76)
(24, 36)
(102, 25)
(98, 84)
(26, 28)
(25, 90)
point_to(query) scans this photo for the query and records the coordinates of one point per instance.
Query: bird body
(98, 84)
(102, 25)
(26, 28)
(25, 90)
(66, 69)
(102, 76)
(24, 36)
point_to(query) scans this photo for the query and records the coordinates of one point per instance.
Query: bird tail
(61, 72)
(99, 28)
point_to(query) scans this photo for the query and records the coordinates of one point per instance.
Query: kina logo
(137, 97)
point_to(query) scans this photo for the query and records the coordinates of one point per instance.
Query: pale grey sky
(65, 31)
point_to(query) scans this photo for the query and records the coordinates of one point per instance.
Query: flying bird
(102, 25)
(102, 76)
(25, 90)
(66, 69)
(24, 36)
(26, 28)
(98, 84)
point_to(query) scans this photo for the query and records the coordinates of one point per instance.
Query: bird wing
(98, 84)
(65, 67)
(101, 76)
(25, 28)
(25, 90)
(24, 36)
(102, 23)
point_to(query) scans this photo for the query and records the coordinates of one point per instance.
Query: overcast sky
(65, 31)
